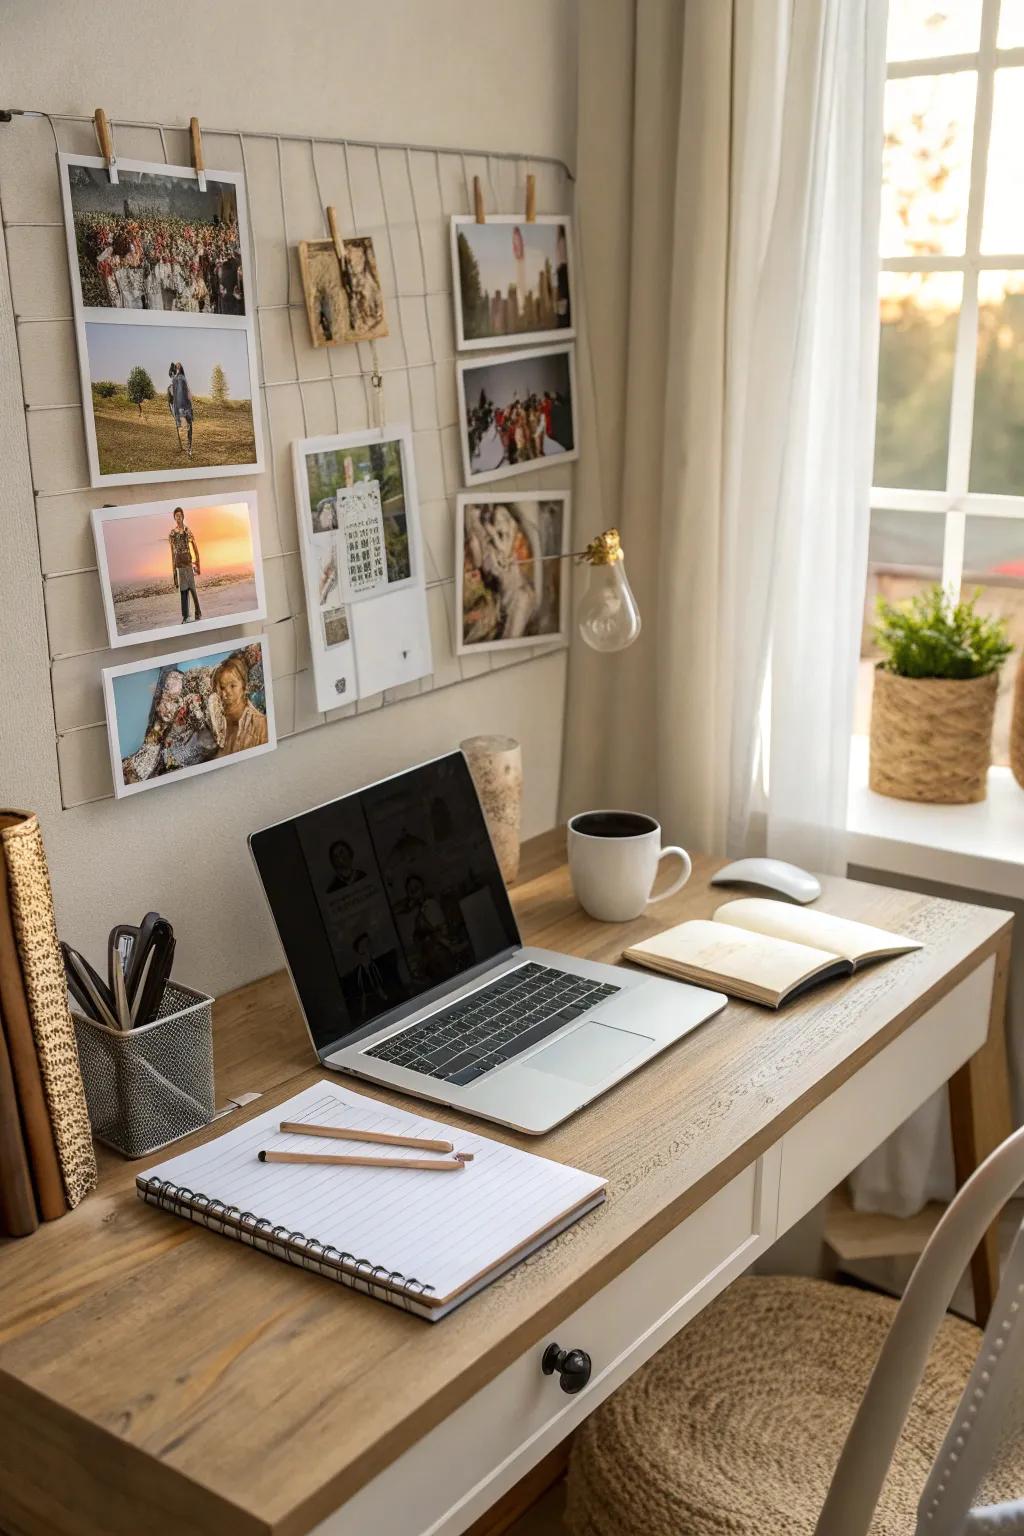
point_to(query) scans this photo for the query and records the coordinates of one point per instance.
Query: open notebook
(767, 951)
(422, 1241)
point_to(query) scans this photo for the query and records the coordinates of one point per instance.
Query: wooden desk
(154, 1377)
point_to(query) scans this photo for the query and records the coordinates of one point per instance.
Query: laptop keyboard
(489, 1027)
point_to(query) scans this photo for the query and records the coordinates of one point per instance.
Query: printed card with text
(361, 529)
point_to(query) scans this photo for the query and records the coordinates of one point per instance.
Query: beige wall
(447, 72)
(472, 73)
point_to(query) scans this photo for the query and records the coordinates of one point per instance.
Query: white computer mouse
(772, 875)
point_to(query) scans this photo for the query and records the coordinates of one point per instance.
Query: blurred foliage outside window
(951, 309)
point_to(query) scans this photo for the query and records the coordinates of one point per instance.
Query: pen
(140, 949)
(420, 1164)
(124, 1017)
(89, 989)
(122, 937)
(381, 1138)
(140, 989)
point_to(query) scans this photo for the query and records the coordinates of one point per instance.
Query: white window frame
(956, 503)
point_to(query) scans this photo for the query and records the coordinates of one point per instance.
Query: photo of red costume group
(156, 242)
(518, 410)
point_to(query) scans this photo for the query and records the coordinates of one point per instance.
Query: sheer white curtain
(825, 474)
(748, 289)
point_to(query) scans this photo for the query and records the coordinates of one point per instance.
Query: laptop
(411, 973)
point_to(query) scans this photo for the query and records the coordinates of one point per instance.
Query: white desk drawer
(445, 1481)
(829, 1142)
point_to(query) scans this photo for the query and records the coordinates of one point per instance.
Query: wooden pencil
(421, 1164)
(381, 1138)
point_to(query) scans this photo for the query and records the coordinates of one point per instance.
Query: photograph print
(154, 240)
(328, 590)
(359, 538)
(358, 486)
(517, 412)
(165, 565)
(335, 623)
(512, 280)
(168, 402)
(163, 307)
(188, 712)
(510, 589)
(344, 302)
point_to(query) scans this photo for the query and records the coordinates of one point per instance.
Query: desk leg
(981, 1118)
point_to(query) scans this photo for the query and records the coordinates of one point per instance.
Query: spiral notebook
(422, 1241)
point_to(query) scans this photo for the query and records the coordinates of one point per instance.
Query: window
(948, 496)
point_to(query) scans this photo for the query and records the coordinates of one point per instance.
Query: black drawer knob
(572, 1365)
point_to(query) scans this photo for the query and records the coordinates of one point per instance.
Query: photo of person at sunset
(152, 573)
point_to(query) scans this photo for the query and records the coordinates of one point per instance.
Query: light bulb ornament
(608, 618)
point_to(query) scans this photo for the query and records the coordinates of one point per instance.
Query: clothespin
(531, 198)
(106, 143)
(333, 226)
(478, 201)
(198, 163)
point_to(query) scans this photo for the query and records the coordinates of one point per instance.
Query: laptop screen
(386, 897)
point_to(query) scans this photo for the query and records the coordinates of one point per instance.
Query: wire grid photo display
(404, 200)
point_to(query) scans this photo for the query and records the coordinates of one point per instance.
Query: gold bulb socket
(606, 549)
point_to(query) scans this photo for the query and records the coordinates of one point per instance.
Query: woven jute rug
(735, 1427)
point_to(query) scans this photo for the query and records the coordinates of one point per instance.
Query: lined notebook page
(443, 1229)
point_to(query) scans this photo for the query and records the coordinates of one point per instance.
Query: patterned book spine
(31, 903)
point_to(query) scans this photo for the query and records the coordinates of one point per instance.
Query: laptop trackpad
(590, 1054)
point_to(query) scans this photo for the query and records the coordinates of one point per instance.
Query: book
(423, 1241)
(766, 951)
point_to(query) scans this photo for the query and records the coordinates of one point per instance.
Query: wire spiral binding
(283, 1243)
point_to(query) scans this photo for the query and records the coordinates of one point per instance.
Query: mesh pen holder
(147, 1087)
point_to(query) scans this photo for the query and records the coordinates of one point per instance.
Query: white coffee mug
(613, 861)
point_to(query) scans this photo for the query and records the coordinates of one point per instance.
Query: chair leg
(981, 1118)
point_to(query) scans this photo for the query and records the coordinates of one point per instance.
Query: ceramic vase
(496, 763)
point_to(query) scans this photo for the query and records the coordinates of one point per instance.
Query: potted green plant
(934, 698)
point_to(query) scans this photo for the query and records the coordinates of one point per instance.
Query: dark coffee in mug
(613, 824)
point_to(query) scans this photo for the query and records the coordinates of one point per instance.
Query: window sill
(980, 847)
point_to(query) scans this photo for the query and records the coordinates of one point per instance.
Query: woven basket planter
(1017, 726)
(931, 737)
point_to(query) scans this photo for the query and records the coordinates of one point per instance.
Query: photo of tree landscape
(170, 397)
